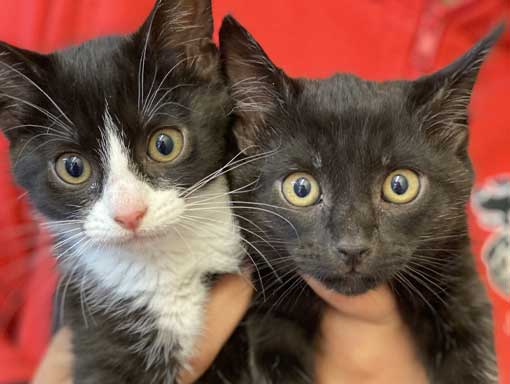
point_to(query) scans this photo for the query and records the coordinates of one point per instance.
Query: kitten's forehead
(99, 60)
(85, 79)
(349, 114)
(346, 92)
(358, 128)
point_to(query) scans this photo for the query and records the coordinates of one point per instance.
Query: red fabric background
(375, 39)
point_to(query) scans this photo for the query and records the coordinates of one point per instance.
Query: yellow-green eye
(165, 145)
(301, 189)
(73, 168)
(401, 186)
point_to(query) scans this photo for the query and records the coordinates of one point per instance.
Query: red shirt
(382, 39)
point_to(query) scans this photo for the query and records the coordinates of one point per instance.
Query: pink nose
(130, 219)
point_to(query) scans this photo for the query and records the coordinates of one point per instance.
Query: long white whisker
(141, 64)
(252, 208)
(231, 165)
(40, 89)
(42, 110)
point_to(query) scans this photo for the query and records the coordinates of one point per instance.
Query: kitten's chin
(136, 239)
(350, 285)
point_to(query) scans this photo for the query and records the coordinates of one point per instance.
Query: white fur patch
(176, 245)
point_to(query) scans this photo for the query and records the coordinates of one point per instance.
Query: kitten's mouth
(353, 283)
(134, 238)
(346, 283)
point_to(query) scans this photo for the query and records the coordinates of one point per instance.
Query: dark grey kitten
(120, 143)
(363, 183)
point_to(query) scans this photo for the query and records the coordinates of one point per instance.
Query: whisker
(405, 282)
(39, 89)
(250, 208)
(40, 109)
(242, 229)
(231, 165)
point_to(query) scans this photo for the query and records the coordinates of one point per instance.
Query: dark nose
(352, 256)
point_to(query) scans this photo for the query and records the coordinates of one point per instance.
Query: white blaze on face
(129, 207)
(125, 194)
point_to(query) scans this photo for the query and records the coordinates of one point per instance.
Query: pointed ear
(21, 78)
(257, 86)
(187, 27)
(442, 99)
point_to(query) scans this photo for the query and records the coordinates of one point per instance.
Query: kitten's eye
(301, 189)
(73, 168)
(401, 186)
(165, 145)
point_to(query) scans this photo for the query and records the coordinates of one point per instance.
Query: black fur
(83, 80)
(350, 134)
(172, 49)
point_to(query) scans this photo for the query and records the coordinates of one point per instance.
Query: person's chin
(349, 284)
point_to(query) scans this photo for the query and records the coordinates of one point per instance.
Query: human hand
(230, 298)
(365, 341)
(55, 368)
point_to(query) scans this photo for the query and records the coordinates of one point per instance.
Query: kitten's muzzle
(351, 257)
(130, 218)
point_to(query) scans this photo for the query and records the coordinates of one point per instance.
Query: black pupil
(399, 184)
(164, 144)
(302, 187)
(74, 166)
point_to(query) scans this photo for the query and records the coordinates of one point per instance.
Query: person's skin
(363, 341)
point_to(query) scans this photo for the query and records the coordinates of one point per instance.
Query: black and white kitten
(120, 142)
(366, 184)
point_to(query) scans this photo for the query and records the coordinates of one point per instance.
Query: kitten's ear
(442, 99)
(257, 85)
(185, 26)
(21, 78)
